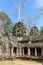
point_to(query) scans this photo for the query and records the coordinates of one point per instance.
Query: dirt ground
(20, 62)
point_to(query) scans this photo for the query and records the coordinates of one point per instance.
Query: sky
(30, 8)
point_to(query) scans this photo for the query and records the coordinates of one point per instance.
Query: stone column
(35, 52)
(5, 51)
(17, 51)
(20, 51)
(12, 51)
(23, 51)
(28, 51)
(42, 51)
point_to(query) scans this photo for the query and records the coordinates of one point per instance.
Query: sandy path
(19, 62)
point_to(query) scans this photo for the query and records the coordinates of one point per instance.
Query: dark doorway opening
(38, 51)
(15, 50)
(32, 51)
(25, 51)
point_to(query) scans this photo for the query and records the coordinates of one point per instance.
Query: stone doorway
(25, 51)
(32, 51)
(15, 50)
(38, 51)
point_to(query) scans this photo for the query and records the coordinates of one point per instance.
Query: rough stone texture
(14, 46)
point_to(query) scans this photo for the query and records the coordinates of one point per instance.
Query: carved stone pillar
(35, 52)
(12, 51)
(23, 51)
(42, 51)
(28, 51)
(17, 51)
(20, 51)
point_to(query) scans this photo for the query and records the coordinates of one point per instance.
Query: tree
(7, 24)
(41, 30)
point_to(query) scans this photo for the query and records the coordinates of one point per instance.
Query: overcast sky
(30, 8)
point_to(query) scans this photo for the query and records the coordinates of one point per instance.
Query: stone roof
(13, 38)
(20, 39)
(27, 38)
(32, 38)
(2, 32)
(19, 29)
(37, 38)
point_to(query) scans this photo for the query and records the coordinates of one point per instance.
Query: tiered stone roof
(37, 38)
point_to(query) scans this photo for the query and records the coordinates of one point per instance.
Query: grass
(19, 62)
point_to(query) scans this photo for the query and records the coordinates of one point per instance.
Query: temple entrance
(38, 51)
(32, 51)
(25, 51)
(0, 50)
(15, 50)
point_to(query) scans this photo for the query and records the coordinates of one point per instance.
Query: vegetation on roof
(19, 29)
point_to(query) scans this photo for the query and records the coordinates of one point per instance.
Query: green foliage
(41, 30)
(5, 23)
(8, 25)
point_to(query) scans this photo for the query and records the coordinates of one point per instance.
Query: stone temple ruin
(21, 47)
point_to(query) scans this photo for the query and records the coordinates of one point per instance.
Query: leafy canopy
(6, 23)
(41, 30)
